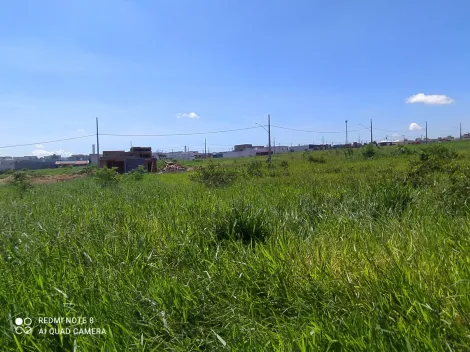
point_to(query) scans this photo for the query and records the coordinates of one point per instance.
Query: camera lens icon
(19, 329)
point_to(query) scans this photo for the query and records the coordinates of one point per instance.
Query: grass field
(326, 251)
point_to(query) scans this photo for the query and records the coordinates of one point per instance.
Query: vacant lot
(338, 250)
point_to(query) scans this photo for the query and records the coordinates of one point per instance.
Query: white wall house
(299, 148)
(241, 154)
(280, 149)
(191, 155)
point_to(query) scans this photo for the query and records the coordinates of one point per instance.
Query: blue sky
(148, 67)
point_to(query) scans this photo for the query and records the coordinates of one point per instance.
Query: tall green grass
(343, 255)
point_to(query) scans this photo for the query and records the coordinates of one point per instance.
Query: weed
(316, 159)
(285, 168)
(106, 177)
(255, 168)
(21, 181)
(432, 160)
(245, 223)
(138, 173)
(369, 151)
(348, 152)
(214, 176)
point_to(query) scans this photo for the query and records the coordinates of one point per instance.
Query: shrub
(255, 169)
(138, 173)
(316, 159)
(403, 150)
(88, 170)
(348, 152)
(285, 168)
(457, 196)
(106, 176)
(369, 151)
(21, 182)
(431, 160)
(214, 176)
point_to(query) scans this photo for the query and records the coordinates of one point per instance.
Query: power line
(295, 129)
(175, 134)
(58, 140)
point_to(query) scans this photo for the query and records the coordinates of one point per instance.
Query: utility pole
(461, 131)
(274, 143)
(269, 136)
(426, 131)
(205, 148)
(97, 142)
(346, 131)
(371, 140)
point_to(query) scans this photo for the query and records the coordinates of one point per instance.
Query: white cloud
(41, 152)
(435, 99)
(191, 115)
(81, 130)
(415, 127)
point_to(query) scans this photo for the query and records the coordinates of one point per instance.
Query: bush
(369, 151)
(457, 196)
(433, 159)
(348, 152)
(214, 176)
(403, 150)
(255, 169)
(138, 173)
(285, 168)
(21, 182)
(316, 159)
(106, 176)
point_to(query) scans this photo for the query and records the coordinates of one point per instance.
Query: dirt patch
(45, 179)
(55, 178)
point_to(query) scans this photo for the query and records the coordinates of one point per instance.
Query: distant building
(33, 164)
(78, 157)
(72, 163)
(188, 155)
(242, 147)
(240, 154)
(280, 149)
(128, 161)
(52, 157)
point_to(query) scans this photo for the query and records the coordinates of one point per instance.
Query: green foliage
(348, 152)
(285, 168)
(106, 177)
(403, 150)
(255, 169)
(245, 223)
(432, 160)
(316, 159)
(457, 195)
(391, 197)
(138, 173)
(369, 151)
(21, 181)
(88, 170)
(346, 258)
(214, 176)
